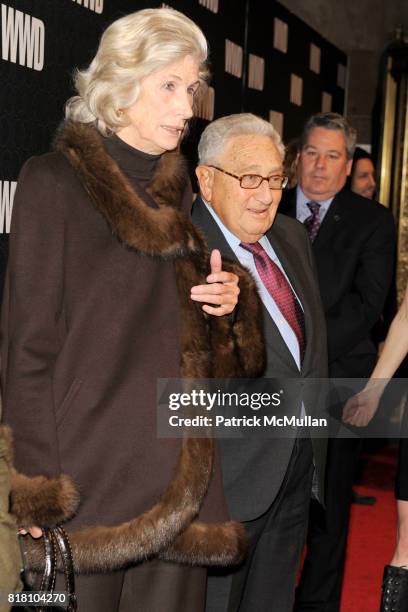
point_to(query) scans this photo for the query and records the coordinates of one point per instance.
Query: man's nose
(264, 192)
(320, 161)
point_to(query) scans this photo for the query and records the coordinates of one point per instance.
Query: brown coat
(91, 318)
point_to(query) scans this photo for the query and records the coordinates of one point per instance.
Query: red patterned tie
(312, 223)
(280, 290)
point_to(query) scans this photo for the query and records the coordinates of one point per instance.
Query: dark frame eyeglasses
(253, 181)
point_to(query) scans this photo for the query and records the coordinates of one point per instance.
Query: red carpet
(372, 534)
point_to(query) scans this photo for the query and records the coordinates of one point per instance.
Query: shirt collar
(233, 241)
(302, 200)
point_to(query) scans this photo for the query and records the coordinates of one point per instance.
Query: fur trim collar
(160, 230)
(219, 347)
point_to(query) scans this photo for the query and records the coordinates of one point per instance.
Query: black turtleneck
(135, 164)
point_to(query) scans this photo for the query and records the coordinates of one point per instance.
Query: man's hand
(222, 289)
(360, 409)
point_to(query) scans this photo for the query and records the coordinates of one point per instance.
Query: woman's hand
(222, 289)
(35, 532)
(360, 409)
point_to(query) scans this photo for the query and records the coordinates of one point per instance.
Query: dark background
(32, 101)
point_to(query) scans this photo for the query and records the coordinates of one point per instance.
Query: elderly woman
(107, 291)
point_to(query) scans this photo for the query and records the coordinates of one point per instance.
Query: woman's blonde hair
(130, 49)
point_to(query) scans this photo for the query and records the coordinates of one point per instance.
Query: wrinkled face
(363, 178)
(323, 165)
(247, 213)
(158, 117)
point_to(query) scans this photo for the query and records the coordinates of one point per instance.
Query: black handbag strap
(48, 578)
(56, 542)
(61, 538)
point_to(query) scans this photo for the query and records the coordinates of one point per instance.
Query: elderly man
(353, 242)
(268, 482)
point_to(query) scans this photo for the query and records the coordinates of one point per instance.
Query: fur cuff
(42, 501)
(38, 500)
(220, 544)
(105, 549)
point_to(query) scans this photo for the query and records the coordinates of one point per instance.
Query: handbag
(38, 592)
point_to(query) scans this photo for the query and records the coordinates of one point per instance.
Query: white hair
(130, 49)
(217, 134)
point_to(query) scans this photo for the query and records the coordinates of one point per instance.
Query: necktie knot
(314, 207)
(253, 247)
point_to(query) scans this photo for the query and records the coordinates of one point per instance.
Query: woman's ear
(205, 176)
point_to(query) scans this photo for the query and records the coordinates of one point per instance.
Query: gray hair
(331, 121)
(216, 135)
(130, 49)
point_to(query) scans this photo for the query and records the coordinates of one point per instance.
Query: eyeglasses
(253, 181)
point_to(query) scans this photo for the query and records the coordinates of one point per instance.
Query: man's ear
(349, 165)
(205, 176)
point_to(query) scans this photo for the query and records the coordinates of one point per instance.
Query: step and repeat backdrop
(263, 59)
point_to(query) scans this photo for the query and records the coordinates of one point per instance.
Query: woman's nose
(185, 105)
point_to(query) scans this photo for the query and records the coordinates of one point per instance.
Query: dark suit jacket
(354, 252)
(253, 469)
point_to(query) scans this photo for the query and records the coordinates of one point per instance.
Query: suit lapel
(331, 222)
(332, 219)
(203, 220)
(292, 264)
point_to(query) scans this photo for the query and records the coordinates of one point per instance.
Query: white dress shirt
(247, 260)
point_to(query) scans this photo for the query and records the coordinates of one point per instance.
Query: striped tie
(280, 291)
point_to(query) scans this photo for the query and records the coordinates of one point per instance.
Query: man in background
(362, 175)
(362, 181)
(353, 242)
